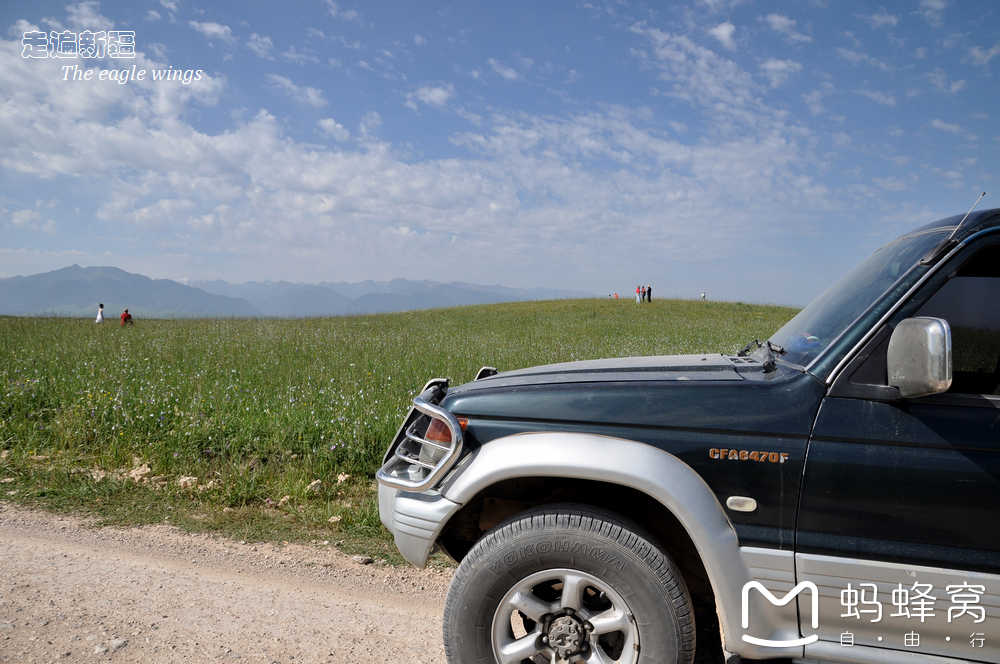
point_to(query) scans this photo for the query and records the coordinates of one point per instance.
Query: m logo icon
(805, 585)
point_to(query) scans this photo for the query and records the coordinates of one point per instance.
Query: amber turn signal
(438, 430)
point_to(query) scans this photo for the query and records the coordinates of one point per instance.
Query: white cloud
(352, 44)
(24, 217)
(87, 15)
(720, 5)
(878, 97)
(299, 57)
(432, 95)
(932, 10)
(419, 40)
(939, 79)
(724, 33)
(778, 71)
(158, 50)
(303, 94)
(370, 121)
(949, 127)
(21, 26)
(881, 19)
(169, 4)
(344, 14)
(891, 183)
(503, 70)
(850, 36)
(814, 99)
(857, 58)
(213, 30)
(261, 45)
(29, 219)
(334, 129)
(705, 79)
(153, 15)
(158, 213)
(982, 56)
(786, 26)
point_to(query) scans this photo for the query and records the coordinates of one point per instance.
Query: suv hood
(688, 391)
(653, 368)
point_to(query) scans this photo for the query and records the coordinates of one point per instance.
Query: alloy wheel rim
(564, 615)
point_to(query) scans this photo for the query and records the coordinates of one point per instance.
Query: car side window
(970, 302)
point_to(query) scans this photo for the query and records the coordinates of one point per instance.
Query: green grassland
(106, 420)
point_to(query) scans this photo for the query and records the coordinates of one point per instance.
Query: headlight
(427, 445)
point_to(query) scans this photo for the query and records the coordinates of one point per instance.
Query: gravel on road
(70, 592)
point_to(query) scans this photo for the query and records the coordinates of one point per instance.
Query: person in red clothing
(126, 318)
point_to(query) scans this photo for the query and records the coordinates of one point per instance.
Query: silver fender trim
(658, 474)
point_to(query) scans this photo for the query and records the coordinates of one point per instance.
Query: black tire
(574, 537)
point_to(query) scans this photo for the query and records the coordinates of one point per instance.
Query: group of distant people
(645, 294)
(642, 293)
(126, 317)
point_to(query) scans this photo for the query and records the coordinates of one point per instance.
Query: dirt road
(71, 593)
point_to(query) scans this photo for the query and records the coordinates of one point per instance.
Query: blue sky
(753, 150)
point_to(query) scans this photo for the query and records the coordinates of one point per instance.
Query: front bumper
(414, 519)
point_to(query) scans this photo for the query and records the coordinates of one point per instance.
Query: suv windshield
(814, 328)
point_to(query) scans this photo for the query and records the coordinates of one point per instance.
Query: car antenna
(937, 251)
(981, 197)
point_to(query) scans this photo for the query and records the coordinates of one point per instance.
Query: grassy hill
(108, 420)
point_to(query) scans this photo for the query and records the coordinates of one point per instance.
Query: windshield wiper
(757, 343)
(767, 352)
(748, 348)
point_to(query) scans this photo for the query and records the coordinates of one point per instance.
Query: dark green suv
(830, 493)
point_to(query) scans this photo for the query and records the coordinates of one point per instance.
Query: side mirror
(919, 357)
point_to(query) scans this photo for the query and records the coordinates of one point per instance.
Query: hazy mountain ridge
(76, 291)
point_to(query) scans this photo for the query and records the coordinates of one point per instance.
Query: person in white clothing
(100, 313)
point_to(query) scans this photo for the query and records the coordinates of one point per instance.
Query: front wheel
(568, 584)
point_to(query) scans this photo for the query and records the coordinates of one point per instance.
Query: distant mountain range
(76, 291)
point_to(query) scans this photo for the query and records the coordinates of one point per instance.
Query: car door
(897, 522)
